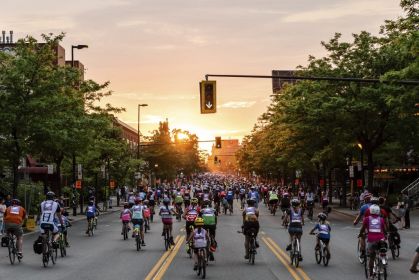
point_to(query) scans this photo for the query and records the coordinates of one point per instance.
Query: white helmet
(375, 210)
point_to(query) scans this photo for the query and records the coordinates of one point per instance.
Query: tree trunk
(58, 162)
(329, 178)
(15, 167)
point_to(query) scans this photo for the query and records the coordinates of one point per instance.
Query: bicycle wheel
(125, 231)
(12, 251)
(366, 269)
(397, 250)
(45, 259)
(199, 263)
(297, 253)
(204, 267)
(63, 251)
(138, 242)
(53, 255)
(166, 240)
(359, 253)
(318, 254)
(325, 258)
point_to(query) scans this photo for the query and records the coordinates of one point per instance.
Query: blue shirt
(364, 209)
(91, 211)
(324, 230)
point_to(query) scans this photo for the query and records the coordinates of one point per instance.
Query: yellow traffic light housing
(208, 97)
(218, 142)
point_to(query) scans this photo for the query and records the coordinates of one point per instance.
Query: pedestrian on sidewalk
(402, 211)
(2, 210)
(408, 203)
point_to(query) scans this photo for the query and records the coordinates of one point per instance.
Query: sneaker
(162, 234)
(211, 257)
(246, 257)
(195, 267)
(20, 255)
(67, 244)
(300, 258)
(133, 235)
(55, 245)
(256, 244)
(171, 240)
(87, 232)
(142, 243)
(289, 247)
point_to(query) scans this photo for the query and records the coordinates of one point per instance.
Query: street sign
(78, 184)
(359, 183)
(218, 142)
(79, 172)
(359, 166)
(50, 168)
(208, 97)
(321, 183)
(351, 171)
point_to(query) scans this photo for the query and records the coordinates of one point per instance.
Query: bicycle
(380, 262)
(310, 210)
(62, 245)
(295, 253)
(273, 208)
(179, 212)
(12, 248)
(137, 237)
(48, 251)
(90, 227)
(252, 247)
(321, 252)
(125, 230)
(361, 253)
(167, 241)
(202, 262)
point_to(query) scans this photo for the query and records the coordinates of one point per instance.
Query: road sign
(218, 142)
(78, 184)
(351, 171)
(208, 97)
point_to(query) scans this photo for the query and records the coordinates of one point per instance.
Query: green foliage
(32, 194)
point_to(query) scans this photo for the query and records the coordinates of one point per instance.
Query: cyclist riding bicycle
(191, 214)
(309, 199)
(13, 220)
(126, 216)
(254, 194)
(49, 211)
(209, 215)
(147, 213)
(250, 223)
(138, 218)
(324, 229)
(200, 239)
(285, 204)
(296, 223)
(363, 209)
(91, 211)
(230, 198)
(376, 229)
(273, 199)
(166, 212)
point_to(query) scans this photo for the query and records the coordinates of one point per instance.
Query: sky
(157, 51)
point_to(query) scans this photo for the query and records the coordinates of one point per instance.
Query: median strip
(161, 266)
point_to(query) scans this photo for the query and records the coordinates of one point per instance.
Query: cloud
(357, 8)
(131, 23)
(147, 119)
(238, 104)
(152, 96)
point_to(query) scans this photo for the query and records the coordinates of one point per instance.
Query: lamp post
(79, 47)
(361, 166)
(139, 134)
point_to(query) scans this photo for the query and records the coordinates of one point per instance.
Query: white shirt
(48, 210)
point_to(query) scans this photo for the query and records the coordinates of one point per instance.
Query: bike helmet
(166, 201)
(374, 200)
(322, 216)
(375, 210)
(194, 200)
(367, 197)
(126, 205)
(295, 202)
(137, 200)
(199, 222)
(15, 201)
(50, 195)
(145, 202)
(90, 203)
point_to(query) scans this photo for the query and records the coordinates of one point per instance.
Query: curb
(74, 221)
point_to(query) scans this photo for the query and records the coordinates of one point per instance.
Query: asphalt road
(107, 256)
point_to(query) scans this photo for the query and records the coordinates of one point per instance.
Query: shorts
(373, 246)
(16, 229)
(325, 203)
(166, 221)
(48, 226)
(325, 241)
(188, 227)
(295, 230)
(211, 229)
(250, 226)
(138, 222)
(417, 249)
(273, 201)
(151, 203)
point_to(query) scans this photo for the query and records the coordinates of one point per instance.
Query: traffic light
(218, 142)
(215, 160)
(208, 97)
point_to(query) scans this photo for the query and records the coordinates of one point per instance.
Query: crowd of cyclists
(201, 200)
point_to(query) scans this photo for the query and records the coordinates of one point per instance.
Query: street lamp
(138, 146)
(79, 47)
(361, 166)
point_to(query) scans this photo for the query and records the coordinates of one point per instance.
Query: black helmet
(375, 200)
(166, 201)
(50, 195)
(295, 202)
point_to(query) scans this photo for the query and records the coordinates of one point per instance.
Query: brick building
(224, 159)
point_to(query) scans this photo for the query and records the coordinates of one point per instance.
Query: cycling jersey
(165, 212)
(208, 214)
(296, 218)
(126, 215)
(48, 210)
(250, 214)
(324, 230)
(230, 195)
(178, 199)
(91, 211)
(273, 196)
(375, 226)
(310, 197)
(137, 212)
(200, 238)
(191, 214)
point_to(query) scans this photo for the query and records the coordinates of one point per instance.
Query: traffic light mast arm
(334, 79)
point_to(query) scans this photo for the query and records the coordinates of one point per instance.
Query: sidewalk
(80, 217)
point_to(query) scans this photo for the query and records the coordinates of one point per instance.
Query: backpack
(37, 246)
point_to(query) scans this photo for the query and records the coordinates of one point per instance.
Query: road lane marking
(156, 267)
(169, 260)
(281, 259)
(286, 256)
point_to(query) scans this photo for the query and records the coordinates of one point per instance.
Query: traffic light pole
(334, 79)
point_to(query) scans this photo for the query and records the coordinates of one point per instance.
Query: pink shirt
(375, 227)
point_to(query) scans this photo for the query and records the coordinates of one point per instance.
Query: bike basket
(4, 241)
